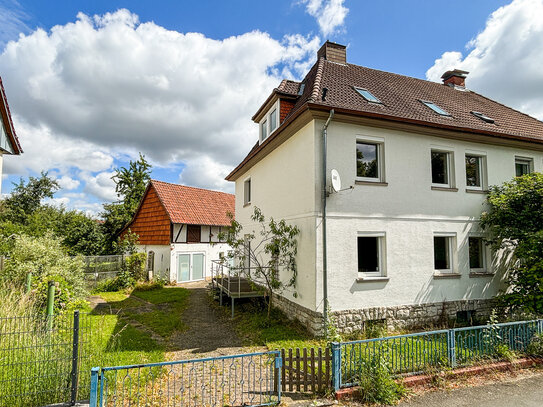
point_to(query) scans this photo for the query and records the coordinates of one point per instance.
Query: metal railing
(249, 380)
(42, 358)
(414, 353)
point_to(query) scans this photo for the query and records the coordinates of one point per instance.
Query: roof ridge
(188, 186)
(317, 82)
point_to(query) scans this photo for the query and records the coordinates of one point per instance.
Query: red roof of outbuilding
(195, 206)
(5, 116)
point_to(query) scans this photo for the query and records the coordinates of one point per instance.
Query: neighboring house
(177, 225)
(403, 245)
(9, 143)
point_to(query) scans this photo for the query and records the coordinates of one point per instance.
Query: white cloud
(65, 182)
(100, 185)
(505, 59)
(206, 173)
(88, 92)
(330, 14)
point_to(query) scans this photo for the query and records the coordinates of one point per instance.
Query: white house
(415, 158)
(9, 143)
(178, 227)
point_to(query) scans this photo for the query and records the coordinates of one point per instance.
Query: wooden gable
(151, 222)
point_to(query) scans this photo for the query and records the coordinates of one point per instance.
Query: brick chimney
(456, 77)
(333, 52)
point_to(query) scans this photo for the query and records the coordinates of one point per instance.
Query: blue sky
(113, 78)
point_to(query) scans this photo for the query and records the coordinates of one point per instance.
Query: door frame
(190, 253)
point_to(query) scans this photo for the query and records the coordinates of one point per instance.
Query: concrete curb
(412, 381)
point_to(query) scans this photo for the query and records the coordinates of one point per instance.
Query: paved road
(526, 392)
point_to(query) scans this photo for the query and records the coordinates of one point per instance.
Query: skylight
(483, 117)
(435, 108)
(366, 94)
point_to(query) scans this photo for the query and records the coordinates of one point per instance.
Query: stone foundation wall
(312, 320)
(412, 316)
(398, 317)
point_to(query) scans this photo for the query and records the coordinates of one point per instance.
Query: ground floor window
(370, 254)
(443, 249)
(476, 253)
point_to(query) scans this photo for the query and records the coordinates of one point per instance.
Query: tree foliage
(515, 223)
(130, 184)
(266, 258)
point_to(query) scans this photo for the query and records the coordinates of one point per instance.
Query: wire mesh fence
(240, 380)
(44, 360)
(415, 353)
(99, 268)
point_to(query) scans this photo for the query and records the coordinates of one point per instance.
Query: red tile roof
(194, 206)
(5, 116)
(401, 102)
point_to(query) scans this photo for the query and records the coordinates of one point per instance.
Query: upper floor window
(247, 191)
(474, 171)
(442, 169)
(269, 123)
(369, 161)
(523, 166)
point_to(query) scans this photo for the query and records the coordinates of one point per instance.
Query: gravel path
(210, 332)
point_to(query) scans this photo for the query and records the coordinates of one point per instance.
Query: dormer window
(269, 122)
(366, 94)
(435, 108)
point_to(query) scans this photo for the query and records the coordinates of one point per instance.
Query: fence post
(75, 358)
(50, 303)
(278, 367)
(451, 347)
(540, 326)
(336, 365)
(93, 402)
(28, 281)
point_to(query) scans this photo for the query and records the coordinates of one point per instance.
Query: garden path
(210, 332)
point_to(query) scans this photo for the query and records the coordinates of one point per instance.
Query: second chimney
(333, 52)
(456, 77)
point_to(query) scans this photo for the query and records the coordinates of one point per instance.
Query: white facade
(403, 211)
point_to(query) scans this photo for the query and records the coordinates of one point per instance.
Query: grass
(255, 329)
(164, 318)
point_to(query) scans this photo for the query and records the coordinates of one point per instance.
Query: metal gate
(251, 379)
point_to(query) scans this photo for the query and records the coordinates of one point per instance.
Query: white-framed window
(444, 250)
(370, 159)
(371, 251)
(477, 254)
(475, 171)
(442, 168)
(269, 122)
(523, 166)
(247, 191)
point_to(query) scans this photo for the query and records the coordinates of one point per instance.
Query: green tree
(514, 222)
(267, 261)
(130, 184)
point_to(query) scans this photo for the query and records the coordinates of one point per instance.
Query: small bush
(535, 348)
(376, 382)
(135, 265)
(109, 285)
(503, 352)
(150, 285)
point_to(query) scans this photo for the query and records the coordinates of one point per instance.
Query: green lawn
(159, 309)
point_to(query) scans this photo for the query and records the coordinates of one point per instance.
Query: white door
(190, 266)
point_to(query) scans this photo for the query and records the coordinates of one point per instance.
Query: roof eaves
(6, 113)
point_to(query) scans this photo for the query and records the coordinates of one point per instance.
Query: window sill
(448, 189)
(247, 204)
(475, 274)
(477, 191)
(447, 275)
(371, 279)
(376, 183)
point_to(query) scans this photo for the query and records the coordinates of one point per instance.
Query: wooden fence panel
(306, 370)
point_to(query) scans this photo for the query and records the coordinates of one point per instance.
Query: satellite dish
(336, 180)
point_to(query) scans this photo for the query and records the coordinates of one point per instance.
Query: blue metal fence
(414, 353)
(250, 380)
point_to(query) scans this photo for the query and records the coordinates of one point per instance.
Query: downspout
(324, 196)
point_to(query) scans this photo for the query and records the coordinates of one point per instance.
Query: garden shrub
(535, 348)
(376, 382)
(46, 259)
(135, 265)
(150, 285)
